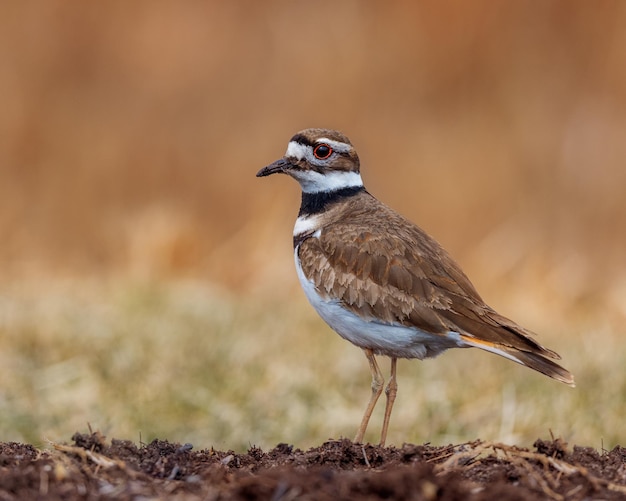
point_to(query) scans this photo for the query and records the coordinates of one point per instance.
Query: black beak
(278, 166)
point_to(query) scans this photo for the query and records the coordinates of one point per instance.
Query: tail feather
(533, 360)
(545, 366)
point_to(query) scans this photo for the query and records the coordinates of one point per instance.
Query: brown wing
(399, 274)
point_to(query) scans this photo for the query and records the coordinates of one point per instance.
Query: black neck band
(314, 203)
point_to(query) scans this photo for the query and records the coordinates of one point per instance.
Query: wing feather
(401, 277)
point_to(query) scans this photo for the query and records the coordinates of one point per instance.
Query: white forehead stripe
(335, 145)
(300, 151)
(296, 150)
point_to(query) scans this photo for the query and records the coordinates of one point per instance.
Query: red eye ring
(322, 151)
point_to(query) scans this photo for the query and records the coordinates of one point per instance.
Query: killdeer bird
(379, 280)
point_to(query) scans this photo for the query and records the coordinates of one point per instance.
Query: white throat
(314, 182)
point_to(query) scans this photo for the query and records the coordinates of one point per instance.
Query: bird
(380, 281)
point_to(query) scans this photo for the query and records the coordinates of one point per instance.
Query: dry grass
(192, 364)
(129, 139)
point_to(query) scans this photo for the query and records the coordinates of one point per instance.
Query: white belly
(392, 340)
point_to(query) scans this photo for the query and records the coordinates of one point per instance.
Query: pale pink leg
(377, 389)
(390, 391)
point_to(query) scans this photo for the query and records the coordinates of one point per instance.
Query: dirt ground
(94, 468)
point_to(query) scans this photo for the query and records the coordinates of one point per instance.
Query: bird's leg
(377, 389)
(390, 391)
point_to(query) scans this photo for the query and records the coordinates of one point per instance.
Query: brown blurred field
(147, 276)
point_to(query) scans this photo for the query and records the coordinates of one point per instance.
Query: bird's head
(321, 160)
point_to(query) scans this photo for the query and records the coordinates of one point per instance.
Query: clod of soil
(92, 468)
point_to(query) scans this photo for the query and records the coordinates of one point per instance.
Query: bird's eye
(322, 151)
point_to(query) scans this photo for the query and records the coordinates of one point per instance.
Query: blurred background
(146, 276)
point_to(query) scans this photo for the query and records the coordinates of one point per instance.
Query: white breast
(305, 224)
(385, 339)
